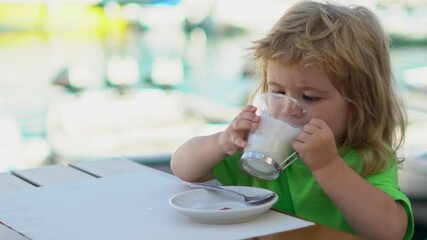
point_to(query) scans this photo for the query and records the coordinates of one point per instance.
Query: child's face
(313, 90)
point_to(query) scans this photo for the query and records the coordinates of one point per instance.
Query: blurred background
(85, 79)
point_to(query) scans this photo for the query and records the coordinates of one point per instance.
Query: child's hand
(315, 144)
(234, 137)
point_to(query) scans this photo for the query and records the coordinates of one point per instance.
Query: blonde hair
(350, 46)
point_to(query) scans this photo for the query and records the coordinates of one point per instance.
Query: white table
(64, 202)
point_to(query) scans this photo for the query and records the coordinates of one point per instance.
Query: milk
(273, 138)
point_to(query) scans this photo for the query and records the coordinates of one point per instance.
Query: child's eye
(279, 92)
(309, 98)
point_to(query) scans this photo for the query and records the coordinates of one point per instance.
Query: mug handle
(288, 161)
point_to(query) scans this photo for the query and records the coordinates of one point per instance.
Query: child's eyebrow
(302, 88)
(314, 89)
(275, 84)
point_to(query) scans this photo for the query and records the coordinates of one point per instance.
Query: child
(335, 61)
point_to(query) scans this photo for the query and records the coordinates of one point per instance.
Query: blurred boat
(403, 19)
(10, 142)
(110, 123)
(416, 78)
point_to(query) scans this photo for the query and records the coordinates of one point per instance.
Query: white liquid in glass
(272, 138)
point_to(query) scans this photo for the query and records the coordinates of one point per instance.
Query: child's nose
(292, 110)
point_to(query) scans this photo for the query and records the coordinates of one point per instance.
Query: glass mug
(269, 149)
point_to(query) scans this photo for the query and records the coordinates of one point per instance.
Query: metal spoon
(258, 199)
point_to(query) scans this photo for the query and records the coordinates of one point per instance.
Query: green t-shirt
(300, 194)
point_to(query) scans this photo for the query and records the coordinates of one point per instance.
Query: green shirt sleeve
(387, 181)
(227, 172)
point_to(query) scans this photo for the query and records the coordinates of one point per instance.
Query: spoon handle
(215, 188)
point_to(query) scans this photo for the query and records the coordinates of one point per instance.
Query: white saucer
(212, 207)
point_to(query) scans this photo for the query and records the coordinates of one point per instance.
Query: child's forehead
(303, 75)
(300, 69)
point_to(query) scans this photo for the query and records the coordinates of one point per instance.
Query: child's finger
(245, 121)
(237, 140)
(303, 137)
(318, 123)
(310, 128)
(249, 108)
